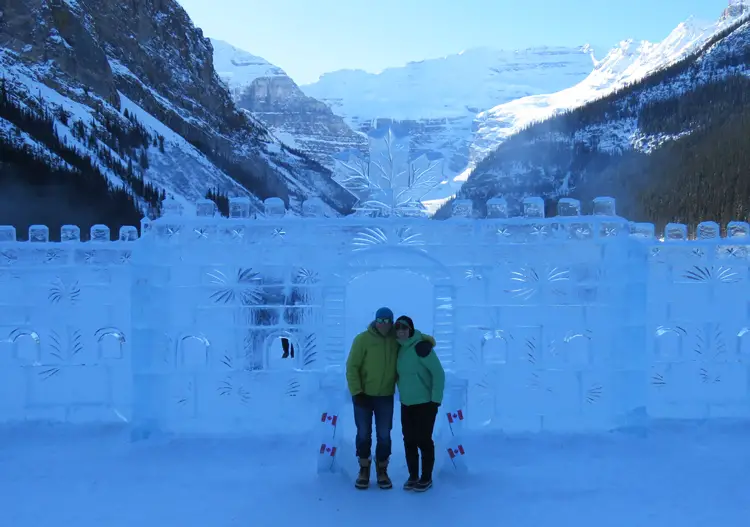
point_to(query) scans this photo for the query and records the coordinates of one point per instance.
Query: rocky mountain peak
(736, 9)
(270, 95)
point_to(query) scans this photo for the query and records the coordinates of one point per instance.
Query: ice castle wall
(242, 325)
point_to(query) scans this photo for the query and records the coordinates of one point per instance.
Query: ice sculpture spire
(389, 183)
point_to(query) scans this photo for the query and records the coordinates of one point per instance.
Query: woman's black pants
(417, 425)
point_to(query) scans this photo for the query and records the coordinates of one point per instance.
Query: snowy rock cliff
(115, 65)
(268, 93)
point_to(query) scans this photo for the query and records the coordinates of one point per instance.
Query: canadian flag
(330, 418)
(458, 415)
(458, 451)
(330, 450)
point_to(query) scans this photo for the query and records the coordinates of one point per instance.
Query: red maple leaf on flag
(330, 450)
(330, 418)
(457, 415)
(458, 451)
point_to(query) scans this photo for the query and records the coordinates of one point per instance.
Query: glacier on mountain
(438, 99)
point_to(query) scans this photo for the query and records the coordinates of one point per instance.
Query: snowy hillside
(273, 98)
(626, 63)
(654, 145)
(103, 69)
(440, 98)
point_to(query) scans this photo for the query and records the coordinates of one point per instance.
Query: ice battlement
(531, 225)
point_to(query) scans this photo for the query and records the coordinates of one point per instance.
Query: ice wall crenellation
(496, 209)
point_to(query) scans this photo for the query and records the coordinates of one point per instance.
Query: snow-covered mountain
(109, 71)
(655, 145)
(625, 64)
(438, 99)
(463, 106)
(267, 92)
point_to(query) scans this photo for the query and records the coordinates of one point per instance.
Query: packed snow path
(686, 475)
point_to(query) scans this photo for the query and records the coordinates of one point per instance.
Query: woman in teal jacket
(421, 380)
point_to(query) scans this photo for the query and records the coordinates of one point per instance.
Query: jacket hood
(411, 340)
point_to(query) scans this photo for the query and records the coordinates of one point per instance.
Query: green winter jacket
(421, 378)
(371, 365)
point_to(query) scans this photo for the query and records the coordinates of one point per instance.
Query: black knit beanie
(408, 322)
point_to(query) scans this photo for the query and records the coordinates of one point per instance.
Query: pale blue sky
(309, 37)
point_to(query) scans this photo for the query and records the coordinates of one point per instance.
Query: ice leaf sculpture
(390, 182)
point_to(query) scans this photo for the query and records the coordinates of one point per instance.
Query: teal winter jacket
(421, 378)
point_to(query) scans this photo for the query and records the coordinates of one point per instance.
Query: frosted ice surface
(642, 230)
(205, 208)
(239, 207)
(313, 208)
(708, 230)
(38, 233)
(7, 233)
(675, 231)
(462, 208)
(533, 207)
(99, 233)
(604, 206)
(70, 233)
(568, 207)
(274, 208)
(497, 208)
(171, 207)
(128, 233)
(738, 229)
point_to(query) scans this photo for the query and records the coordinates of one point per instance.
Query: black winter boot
(412, 459)
(384, 482)
(423, 484)
(428, 462)
(363, 478)
(411, 483)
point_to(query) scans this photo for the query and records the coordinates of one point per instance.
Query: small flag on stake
(458, 451)
(458, 415)
(330, 450)
(330, 418)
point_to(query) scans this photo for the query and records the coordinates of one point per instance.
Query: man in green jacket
(371, 376)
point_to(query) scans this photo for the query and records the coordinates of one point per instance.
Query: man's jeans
(382, 408)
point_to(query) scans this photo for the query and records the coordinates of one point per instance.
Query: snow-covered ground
(685, 475)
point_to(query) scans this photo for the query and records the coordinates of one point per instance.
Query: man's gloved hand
(435, 405)
(362, 400)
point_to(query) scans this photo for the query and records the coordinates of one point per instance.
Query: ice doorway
(406, 293)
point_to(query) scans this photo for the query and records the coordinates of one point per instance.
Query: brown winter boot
(363, 478)
(384, 482)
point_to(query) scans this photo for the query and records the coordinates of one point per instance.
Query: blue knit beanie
(384, 312)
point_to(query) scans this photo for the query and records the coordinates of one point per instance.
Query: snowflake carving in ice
(390, 182)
